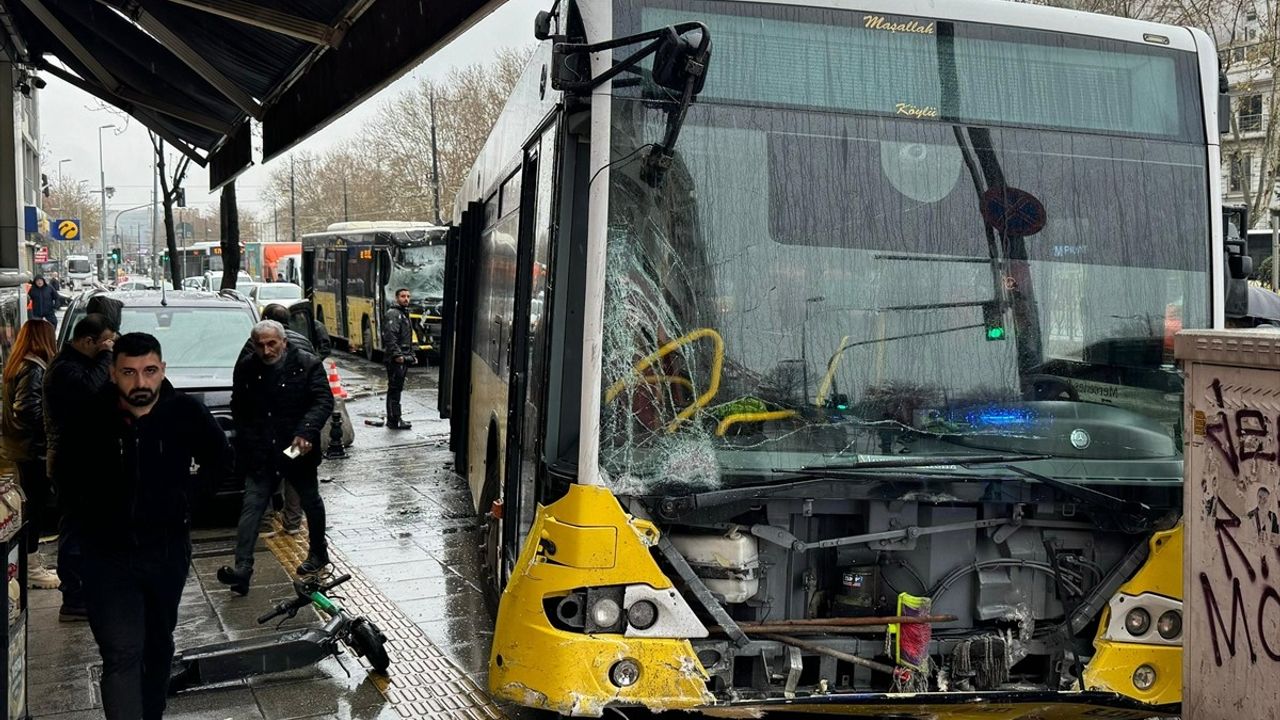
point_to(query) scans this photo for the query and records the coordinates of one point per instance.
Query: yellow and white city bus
(815, 356)
(352, 270)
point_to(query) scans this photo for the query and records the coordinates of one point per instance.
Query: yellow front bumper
(586, 540)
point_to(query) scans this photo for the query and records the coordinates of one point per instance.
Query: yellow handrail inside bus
(825, 386)
(766, 416)
(645, 363)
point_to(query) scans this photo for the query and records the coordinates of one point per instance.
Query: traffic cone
(335, 382)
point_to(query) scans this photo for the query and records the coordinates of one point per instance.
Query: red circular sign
(1013, 211)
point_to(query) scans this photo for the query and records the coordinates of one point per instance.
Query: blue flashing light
(1000, 416)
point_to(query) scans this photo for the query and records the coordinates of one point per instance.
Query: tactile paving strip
(423, 681)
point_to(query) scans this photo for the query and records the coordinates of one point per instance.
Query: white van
(80, 270)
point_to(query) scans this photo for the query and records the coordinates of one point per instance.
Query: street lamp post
(65, 160)
(102, 187)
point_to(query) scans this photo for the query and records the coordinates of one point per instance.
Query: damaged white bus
(818, 359)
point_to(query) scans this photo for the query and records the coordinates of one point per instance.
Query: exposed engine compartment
(1024, 570)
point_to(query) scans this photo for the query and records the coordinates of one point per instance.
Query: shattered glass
(811, 286)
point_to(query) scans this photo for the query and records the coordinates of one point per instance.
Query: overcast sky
(69, 124)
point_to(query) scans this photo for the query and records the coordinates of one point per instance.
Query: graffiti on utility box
(1231, 591)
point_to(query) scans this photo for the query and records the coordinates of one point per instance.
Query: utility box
(1231, 509)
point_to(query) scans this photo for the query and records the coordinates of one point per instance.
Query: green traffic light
(995, 333)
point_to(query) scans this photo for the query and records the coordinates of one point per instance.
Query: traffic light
(115, 254)
(180, 197)
(993, 319)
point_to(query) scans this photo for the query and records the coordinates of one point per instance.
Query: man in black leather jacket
(397, 352)
(133, 513)
(280, 401)
(73, 380)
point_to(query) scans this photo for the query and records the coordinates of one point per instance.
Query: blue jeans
(259, 486)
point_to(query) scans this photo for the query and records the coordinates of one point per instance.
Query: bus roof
(390, 231)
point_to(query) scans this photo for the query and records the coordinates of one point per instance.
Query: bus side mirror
(542, 25)
(1224, 114)
(679, 58)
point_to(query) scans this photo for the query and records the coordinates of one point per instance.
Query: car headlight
(1169, 625)
(1137, 621)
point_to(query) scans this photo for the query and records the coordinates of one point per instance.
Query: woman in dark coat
(22, 435)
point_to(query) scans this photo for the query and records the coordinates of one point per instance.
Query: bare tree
(70, 198)
(385, 173)
(170, 186)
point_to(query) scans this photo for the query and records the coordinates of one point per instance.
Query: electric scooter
(225, 662)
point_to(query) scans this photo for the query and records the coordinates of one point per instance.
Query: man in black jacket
(280, 400)
(73, 380)
(133, 512)
(397, 351)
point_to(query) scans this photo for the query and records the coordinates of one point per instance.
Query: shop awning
(197, 71)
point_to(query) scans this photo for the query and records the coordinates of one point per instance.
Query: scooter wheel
(369, 642)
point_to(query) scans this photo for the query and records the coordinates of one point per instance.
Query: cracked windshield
(883, 256)
(420, 269)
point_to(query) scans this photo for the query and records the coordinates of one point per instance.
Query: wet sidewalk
(64, 665)
(400, 522)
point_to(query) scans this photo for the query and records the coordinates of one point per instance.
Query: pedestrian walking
(398, 354)
(74, 379)
(291, 513)
(280, 401)
(22, 434)
(44, 301)
(134, 513)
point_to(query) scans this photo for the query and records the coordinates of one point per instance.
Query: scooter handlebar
(292, 606)
(281, 609)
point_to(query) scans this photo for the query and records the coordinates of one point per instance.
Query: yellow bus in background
(352, 270)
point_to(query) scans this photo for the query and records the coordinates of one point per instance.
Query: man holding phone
(280, 401)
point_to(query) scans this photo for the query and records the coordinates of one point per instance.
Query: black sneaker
(314, 563)
(69, 613)
(400, 425)
(236, 580)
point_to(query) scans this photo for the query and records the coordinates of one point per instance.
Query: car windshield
(420, 269)
(192, 337)
(279, 291)
(814, 283)
(78, 266)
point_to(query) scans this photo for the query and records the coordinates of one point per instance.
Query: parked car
(264, 294)
(201, 335)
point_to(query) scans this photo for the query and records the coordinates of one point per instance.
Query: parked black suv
(201, 333)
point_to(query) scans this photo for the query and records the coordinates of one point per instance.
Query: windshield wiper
(912, 463)
(1088, 495)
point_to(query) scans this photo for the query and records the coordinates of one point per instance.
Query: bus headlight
(1170, 625)
(606, 612)
(1144, 677)
(1137, 621)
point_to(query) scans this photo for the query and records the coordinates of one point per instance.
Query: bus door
(525, 415)
(463, 312)
(444, 398)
